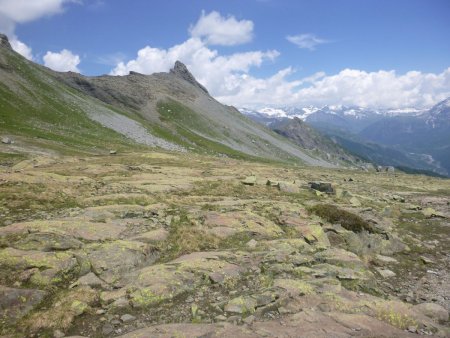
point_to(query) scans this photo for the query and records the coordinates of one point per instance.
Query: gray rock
(90, 279)
(288, 187)
(220, 318)
(216, 277)
(250, 180)
(251, 244)
(126, 318)
(249, 320)
(107, 329)
(241, 305)
(181, 70)
(385, 273)
(433, 311)
(6, 140)
(16, 303)
(322, 187)
(426, 260)
(4, 42)
(58, 334)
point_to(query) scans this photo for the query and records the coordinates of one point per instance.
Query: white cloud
(21, 48)
(20, 11)
(306, 41)
(13, 12)
(63, 61)
(219, 30)
(229, 77)
(381, 89)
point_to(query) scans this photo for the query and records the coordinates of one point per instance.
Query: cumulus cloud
(20, 11)
(229, 77)
(13, 12)
(63, 61)
(218, 30)
(21, 48)
(381, 89)
(306, 41)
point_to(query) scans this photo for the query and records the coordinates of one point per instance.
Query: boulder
(322, 187)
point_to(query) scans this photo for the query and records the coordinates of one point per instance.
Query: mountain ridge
(169, 110)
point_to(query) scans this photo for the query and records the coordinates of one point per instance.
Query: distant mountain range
(412, 139)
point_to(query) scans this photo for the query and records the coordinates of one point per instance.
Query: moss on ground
(346, 219)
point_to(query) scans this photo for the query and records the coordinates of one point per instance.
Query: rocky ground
(165, 245)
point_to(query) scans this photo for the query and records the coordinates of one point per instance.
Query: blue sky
(300, 52)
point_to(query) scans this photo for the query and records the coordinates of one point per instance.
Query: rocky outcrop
(180, 70)
(4, 42)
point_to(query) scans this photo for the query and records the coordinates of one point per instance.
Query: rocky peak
(4, 42)
(180, 70)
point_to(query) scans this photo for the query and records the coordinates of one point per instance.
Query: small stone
(220, 318)
(380, 260)
(241, 305)
(107, 329)
(100, 312)
(430, 212)
(78, 307)
(216, 277)
(58, 334)
(126, 318)
(115, 322)
(426, 260)
(412, 329)
(120, 303)
(398, 198)
(385, 273)
(249, 320)
(355, 202)
(6, 140)
(251, 244)
(113, 152)
(249, 180)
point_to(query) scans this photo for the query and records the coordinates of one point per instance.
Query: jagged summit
(4, 41)
(180, 69)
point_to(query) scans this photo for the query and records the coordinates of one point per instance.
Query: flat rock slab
(304, 324)
(79, 229)
(16, 303)
(242, 221)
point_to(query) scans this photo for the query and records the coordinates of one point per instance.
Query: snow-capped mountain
(419, 132)
(352, 117)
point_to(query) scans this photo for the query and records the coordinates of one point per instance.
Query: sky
(251, 53)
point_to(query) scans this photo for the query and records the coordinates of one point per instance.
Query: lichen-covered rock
(243, 222)
(294, 287)
(16, 303)
(113, 259)
(51, 266)
(241, 305)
